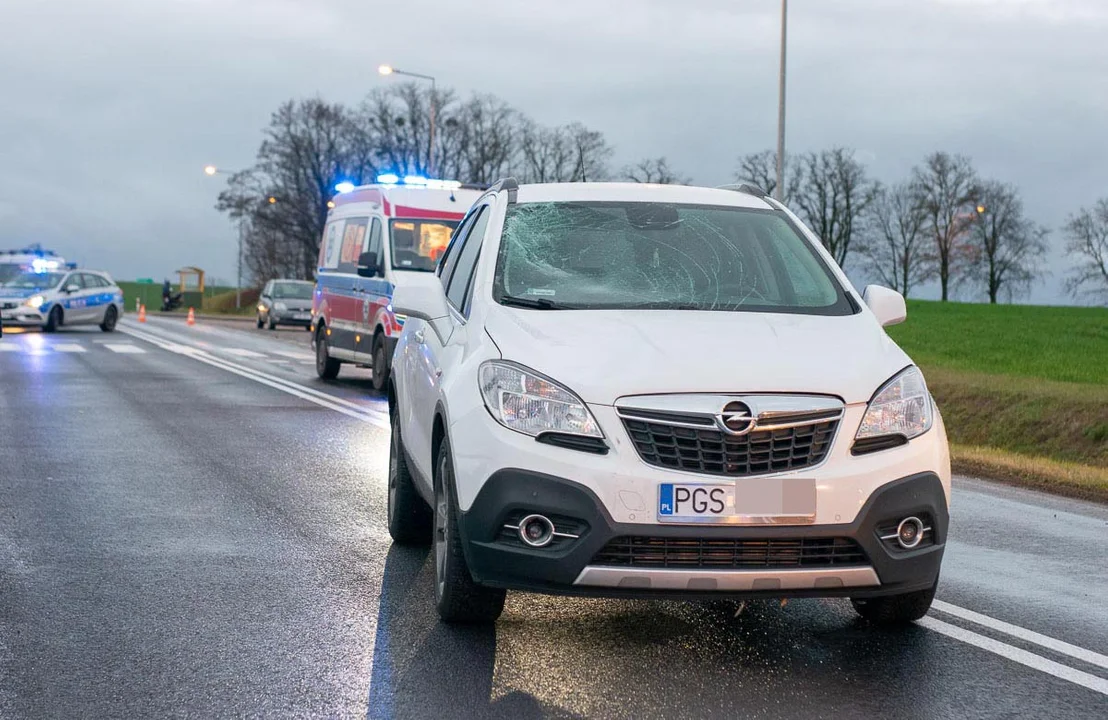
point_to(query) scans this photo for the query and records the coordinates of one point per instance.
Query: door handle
(418, 336)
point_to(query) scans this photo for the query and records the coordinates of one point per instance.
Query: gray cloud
(113, 106)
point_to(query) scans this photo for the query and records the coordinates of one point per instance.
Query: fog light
(909, 532)
(536, 530)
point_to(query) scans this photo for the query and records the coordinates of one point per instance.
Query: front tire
(261, 323)
(457, 597)
(326, 367)
(410, 520)
(380, 364)
(53, 320)
(896, 609)
(111, 317)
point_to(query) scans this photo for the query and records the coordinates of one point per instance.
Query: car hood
(603, 355)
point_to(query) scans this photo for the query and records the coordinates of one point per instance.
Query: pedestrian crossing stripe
(290, 354)
(240, 352)
(68, 348)
(126, 349)
(9, 348)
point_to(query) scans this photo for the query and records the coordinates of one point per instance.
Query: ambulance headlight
(35, 301)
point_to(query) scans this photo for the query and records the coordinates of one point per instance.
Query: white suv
(659, 391)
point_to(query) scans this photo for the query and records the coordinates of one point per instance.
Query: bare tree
(831, 195)
(949, 186)
(760, 169)
(570, 153)
(488, 132)
(1087, 241)
(591, 153)
(654, 170)
(306, 150)
(898, 248)
(397, 121)
(1007, 246)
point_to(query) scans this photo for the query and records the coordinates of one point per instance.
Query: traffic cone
(192, 317)
(142, 313)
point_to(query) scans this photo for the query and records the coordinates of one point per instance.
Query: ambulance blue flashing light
(417, 181)
(344, 187)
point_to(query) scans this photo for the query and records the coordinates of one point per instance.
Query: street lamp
(390, 70)
(211, 171)
(779, 190)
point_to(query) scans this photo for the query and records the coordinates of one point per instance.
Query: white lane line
(358, 412)
(125, 349)
(10, 348)
(1019, 655)
(68, 348)
(290, 354)
(1058, 646)
(241, 352)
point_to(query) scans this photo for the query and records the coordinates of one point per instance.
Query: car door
(440, 347)
(411, 366)
(73, 299)
(346, 291)
(98, 296)
(375, 292)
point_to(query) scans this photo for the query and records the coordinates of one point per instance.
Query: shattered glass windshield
(637, 255)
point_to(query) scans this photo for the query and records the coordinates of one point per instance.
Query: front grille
(9, 306)
(663, 552)
(664, 440)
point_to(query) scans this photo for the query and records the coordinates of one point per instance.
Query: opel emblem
(736, 419)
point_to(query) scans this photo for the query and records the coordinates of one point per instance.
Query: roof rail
(746, 188)
(510, 184)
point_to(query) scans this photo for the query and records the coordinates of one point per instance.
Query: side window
(75, 279)
(329, 249)
(450, 257)
(353, 240)
(268, 289)
(458, 284)
(102, 281)
(373, 244)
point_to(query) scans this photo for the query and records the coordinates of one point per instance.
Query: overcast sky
(112, 107)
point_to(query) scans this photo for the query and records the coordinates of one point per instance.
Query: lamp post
(779, 190)
(212, 171)
(390, 70)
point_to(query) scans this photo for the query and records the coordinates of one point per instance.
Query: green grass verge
(1023, 390)
(1068, 344)
(216, 299)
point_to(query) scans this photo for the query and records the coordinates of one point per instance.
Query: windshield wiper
(533, 303)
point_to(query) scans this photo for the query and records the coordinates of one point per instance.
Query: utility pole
(779, 191)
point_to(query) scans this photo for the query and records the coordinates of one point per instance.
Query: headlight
(901, 407)
(280, 306)
(261, 308)
(526, 402)
(35, 301)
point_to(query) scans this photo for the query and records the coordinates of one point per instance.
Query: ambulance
(377, 237)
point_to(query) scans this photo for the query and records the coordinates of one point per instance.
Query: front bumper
(571, 566)
(289, 317)
(21, 316)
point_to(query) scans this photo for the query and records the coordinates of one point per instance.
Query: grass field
(1023, 389)
(216, 299)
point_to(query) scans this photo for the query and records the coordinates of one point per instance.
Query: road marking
(294, 355)
(69, 348)
(10, 348)
(240, 352)
(358, 412)
(1058, 646)
(1015, 654)
(125, 349)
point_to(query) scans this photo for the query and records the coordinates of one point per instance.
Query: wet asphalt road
(192, 525)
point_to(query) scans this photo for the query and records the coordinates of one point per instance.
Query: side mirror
(886, 305)
(71, 288)
(421, 296)
(367, 264)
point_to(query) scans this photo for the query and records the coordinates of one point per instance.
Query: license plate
(303, 316)
(759, 500)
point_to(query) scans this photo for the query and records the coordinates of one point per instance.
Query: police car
(49, 297)
(15, 262)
